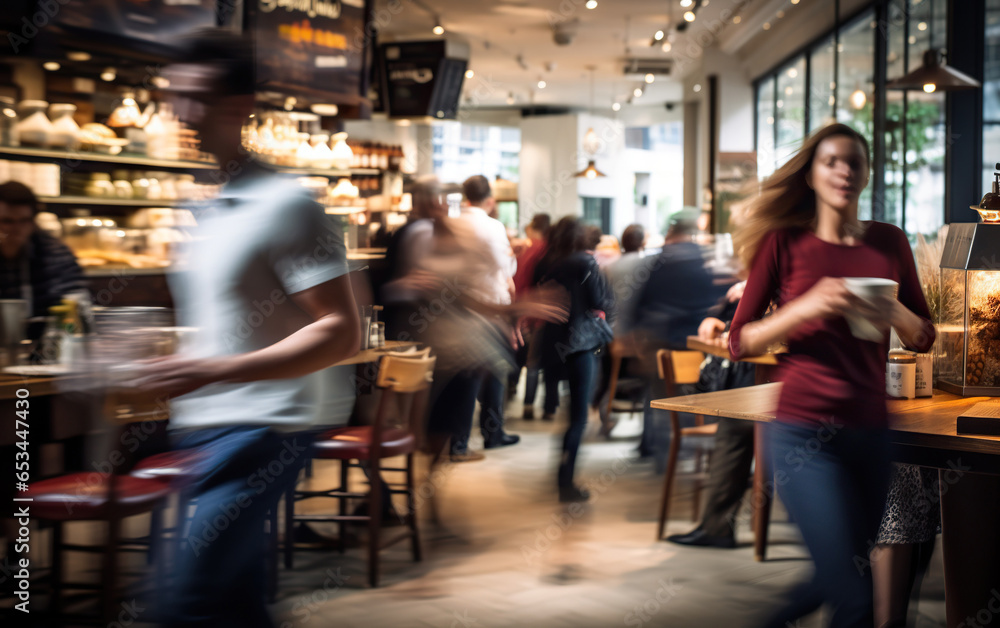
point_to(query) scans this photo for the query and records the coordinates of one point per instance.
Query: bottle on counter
(901, 374)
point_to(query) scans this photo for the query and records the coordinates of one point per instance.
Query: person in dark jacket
(671, 305)
(570, 346)
(34, 266)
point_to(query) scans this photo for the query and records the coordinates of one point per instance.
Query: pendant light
(933, 75)
(591, 143)
(590, 172)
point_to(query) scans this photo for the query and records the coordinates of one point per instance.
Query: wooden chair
(95, 496)
(677, 368)
(620, 349)
(404, 381)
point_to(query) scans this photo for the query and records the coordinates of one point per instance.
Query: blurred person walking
(527, 354)
(671, 304)
(494, 287)
(801, 238)
(272, 303)
(569, 347)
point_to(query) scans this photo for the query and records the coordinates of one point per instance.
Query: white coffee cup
(867, 288)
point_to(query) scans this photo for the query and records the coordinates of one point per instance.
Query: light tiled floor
(505, 553)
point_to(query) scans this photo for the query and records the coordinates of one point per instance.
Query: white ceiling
(497, 32)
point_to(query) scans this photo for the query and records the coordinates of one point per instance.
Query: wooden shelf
(41, 154)
(320, 172)
(89, 201)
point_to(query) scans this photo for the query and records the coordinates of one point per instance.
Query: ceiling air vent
(638, 68)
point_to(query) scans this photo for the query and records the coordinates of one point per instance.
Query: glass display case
(967, 350)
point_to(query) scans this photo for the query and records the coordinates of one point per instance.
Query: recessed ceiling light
(658, 35)
(922, 26)
(637, 92)
(108, 74)
(689, 16)
(78, 55)
(591, 4)
(767, 26)
(615, 106)
(650, 78)
(541, 84)
(781, 14)
(51, 66)
(686, 3)
(697, 87)
(667, 46)
(792, 72)
(737, 20)
(795, 1)
(469, 74)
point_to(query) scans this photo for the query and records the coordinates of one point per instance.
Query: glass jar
(100, 186)
(65, 131)
(34, 128)
(9, 135)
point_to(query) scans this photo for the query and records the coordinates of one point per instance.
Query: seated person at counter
(34, 266)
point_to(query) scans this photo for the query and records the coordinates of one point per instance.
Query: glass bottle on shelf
(9, 135)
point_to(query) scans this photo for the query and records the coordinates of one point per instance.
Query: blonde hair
(785, 198)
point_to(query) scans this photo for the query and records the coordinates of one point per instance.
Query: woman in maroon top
(829, 446)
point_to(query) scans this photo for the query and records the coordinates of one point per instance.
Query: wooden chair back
(405, 382)
(679, 367)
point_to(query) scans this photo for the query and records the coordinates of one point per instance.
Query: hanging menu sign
(155, 21)
(312, 45)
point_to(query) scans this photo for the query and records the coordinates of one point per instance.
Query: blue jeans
(491, 407)
(220, 578)
(580, 367)
(833, 481)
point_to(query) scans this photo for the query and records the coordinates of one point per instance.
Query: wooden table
(922, 432)
(695, 344)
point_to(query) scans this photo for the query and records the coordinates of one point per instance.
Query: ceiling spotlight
(108, 74)
(650, 78)
(686, 3)
(792, 73)
(697, 87)
(767, 26)
(781, 14)
(541, 84)
(78, 55)
(922, 26)
(659, 35)
(689, 16)
(637, 92)
(591, 4)
(737, 20)
(438, 29)
(510, 98)
(290, 103)
(667, 46)
(469, 74)
(788, 90)
(51, 66)
(795, 1)
(615, 106)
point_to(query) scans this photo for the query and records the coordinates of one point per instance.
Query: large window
(991, 94)
(464, 150)
(835, 79)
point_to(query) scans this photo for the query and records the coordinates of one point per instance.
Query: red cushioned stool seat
(353, 443)
(84, 496)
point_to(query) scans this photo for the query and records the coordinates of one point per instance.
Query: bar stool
(677, 368)
(92, 496)
(404, 381)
